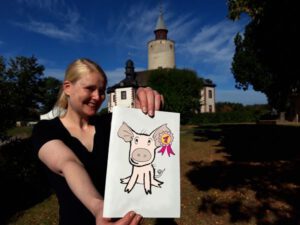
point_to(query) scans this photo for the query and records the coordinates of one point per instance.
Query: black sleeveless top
(71, 210)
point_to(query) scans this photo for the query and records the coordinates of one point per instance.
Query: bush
(23, 183)
(225, 117)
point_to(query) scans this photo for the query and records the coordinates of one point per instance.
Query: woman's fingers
(131, 218)
(148, 100)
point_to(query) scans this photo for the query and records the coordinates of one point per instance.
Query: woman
(74, 146)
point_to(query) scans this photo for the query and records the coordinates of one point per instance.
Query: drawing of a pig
(141, 155)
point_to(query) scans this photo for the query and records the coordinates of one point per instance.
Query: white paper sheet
(139, 147)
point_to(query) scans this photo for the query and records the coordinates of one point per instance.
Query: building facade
(123, 93)
(208, 97)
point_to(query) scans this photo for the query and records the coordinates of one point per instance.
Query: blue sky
(112, 31)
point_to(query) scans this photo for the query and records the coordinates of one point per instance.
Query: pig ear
(157, 132)
(125, 132)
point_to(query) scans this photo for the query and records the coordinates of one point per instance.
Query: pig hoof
(127, 190)
(149, 192)
(124, 180)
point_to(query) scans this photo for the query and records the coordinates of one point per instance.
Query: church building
(123, 93)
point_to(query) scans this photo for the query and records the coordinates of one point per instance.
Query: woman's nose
(96, 95)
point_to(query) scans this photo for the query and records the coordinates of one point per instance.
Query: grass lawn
(230, 174)
(20, 132)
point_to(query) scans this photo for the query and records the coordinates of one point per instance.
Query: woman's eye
(101, 92)
(90, 89)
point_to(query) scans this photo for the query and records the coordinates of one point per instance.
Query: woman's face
(86, 94)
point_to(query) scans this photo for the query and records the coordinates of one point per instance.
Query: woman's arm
(61, 160)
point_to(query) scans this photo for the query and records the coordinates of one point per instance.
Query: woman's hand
(148, 100)
(131, 218)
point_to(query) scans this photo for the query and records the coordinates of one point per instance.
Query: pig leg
(156, 183)
(125, 180)
(132, 181)
(147, 182)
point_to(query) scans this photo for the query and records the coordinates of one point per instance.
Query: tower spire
(160, 29)
(161, 50)
(160, 7)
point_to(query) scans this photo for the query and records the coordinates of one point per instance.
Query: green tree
(229, 107)
(181, 90)
(49, 89)
(6, 109)
(25, 75)
(265, 53)
(25, 93)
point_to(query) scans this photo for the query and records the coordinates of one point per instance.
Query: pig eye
(136, 140)
(149, 142)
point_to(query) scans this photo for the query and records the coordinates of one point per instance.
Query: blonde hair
(74, 72)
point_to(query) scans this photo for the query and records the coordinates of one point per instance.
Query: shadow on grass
(22, 181)
(165, 221)
(208, 132)
(259, 180)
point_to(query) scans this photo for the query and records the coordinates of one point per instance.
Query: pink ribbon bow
(168, 148)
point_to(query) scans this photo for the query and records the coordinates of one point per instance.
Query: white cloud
(51, 30)
(134, 29)
(209, 50)
(248, 97)
(212, 43)
(58, 12)
(180, 27)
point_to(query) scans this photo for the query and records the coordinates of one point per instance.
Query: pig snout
(141, 155)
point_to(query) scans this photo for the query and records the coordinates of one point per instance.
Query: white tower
(161, 51)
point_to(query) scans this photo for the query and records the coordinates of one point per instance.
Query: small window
(209, 93)
(210, 108)
(123, 94)
(114, 98)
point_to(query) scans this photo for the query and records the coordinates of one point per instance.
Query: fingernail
(138, 218)
(132, 214)
(151, 113)
(142, 220)
(144, 109)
